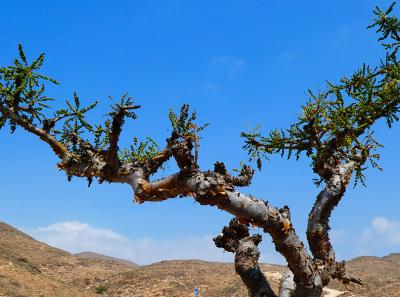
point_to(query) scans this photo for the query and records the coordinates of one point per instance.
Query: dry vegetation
(29, 268)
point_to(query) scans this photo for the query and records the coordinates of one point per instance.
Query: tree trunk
(288, 288)
(236, 239)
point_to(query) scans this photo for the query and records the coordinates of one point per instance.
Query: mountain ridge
(93, 255)
(30, 268)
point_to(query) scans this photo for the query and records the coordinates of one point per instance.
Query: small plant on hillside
(101, 289)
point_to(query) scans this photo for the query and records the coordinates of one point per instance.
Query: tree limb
(59, 149)
(209, 188)
(327, 200)
(236, 239)
(116, 129)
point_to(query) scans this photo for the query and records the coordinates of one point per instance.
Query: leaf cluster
(140, 150)
(22, 89)
(335, 126)
(22, 95)
(75, 122)
(184, 124)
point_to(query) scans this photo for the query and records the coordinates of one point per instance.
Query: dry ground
(29, 268)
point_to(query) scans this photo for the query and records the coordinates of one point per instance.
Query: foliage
(75, 123)
(22, 88)
(101, 289)
(335, 125)
(22, 97)
(183, 125)
(140, 150)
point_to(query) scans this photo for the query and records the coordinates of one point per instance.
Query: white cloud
(383, 232)
(383, 225)
(231, 65)
(75, 237)
(378, 238)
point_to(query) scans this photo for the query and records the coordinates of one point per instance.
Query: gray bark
(287, 285)
(318, 220)
(209, 188)
(236, 239)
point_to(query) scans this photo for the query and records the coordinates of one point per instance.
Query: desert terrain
(29, 268)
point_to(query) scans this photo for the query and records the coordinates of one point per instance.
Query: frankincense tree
(333, 131)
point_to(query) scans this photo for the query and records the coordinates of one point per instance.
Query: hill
(381, 275)
(29, 268)
(92, 255)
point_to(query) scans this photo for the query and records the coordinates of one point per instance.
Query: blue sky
(238, 64)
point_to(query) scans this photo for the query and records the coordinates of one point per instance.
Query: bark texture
(287, 285)
(337, 179)
(210, 188)
(236, 239)
(327, 200)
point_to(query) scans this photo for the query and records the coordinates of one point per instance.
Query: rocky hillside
(92, 255)
(29, 268)
(381, 276)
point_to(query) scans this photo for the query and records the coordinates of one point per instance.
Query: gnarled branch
(236, 239)
(59, 149)
(209, 188)
(327, 200)
(116, 128)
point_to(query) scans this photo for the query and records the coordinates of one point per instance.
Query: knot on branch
(339, 272)
(185, 128)
(207, 187)
(84, 165)
(242, 180)
(49, 124)
(182, 152)
(219, 167)
(231, 236)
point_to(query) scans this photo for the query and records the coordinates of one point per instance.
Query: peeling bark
(318, 224)
(318, 220)
(287, 285)
(236, 239)
(209, 188)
